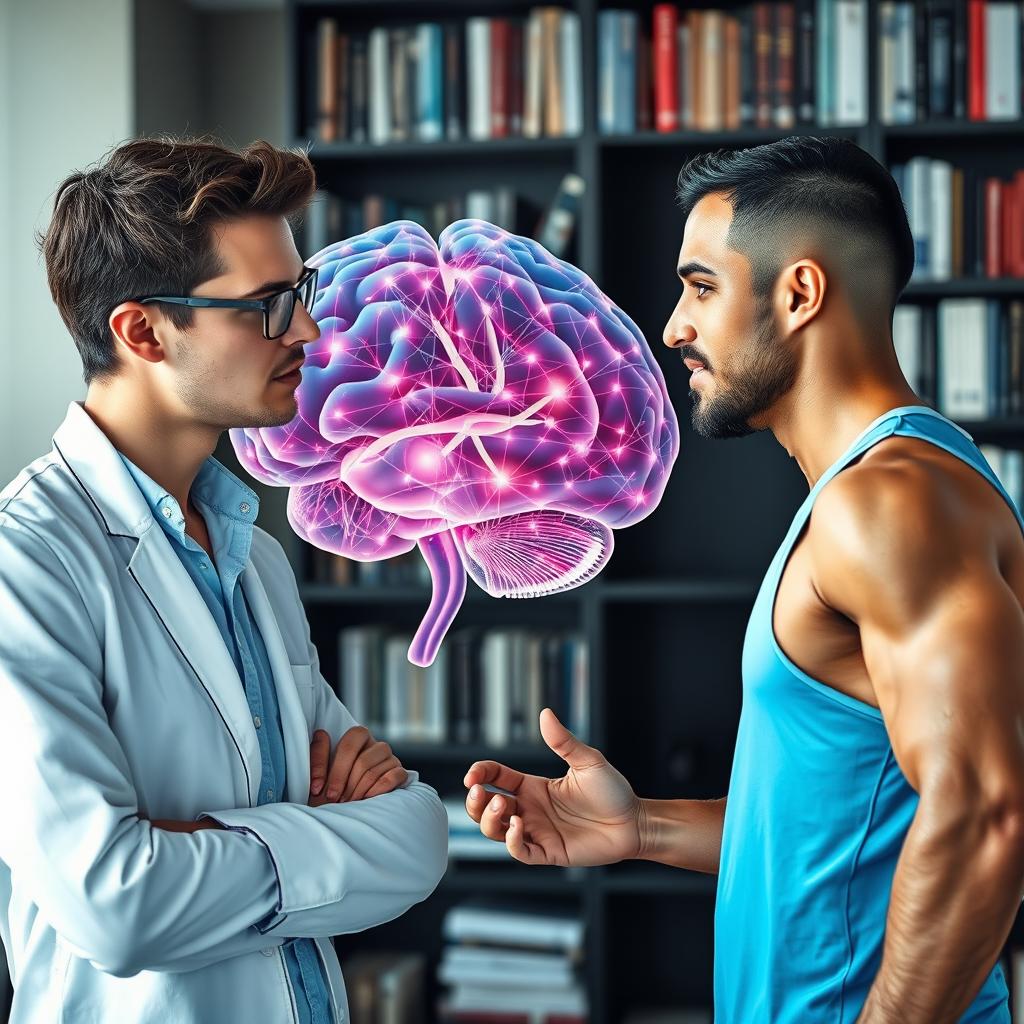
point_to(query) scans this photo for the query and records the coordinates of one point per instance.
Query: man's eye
(698, 286)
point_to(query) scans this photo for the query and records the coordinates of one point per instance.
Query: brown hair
(139, 223)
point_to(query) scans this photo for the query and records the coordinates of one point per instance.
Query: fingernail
(496, 803)
(474, 793)
(317, 786)
(332, 794)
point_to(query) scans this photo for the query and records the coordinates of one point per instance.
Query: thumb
(574, 752)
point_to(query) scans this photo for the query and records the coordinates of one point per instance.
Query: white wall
(67, 100)
(77, 77)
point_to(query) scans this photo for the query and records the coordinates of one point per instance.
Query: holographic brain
(476, 397)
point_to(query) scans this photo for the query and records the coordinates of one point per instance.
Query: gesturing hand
(360, 767)
(589, 816)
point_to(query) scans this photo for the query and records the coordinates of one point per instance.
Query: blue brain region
(475, 397)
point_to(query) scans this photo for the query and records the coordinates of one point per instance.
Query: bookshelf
(666, 618)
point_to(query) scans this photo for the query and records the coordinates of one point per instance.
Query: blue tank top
(816, 816)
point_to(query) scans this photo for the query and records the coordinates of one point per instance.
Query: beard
(212, 397)
(764, 377)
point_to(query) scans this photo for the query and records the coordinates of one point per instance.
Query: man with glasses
(191, 812)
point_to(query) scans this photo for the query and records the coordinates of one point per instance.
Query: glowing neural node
(476, 397)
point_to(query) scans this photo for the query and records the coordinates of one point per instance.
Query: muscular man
(179, 843)
(870, 850)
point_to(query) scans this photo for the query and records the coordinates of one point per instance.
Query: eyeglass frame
(202, 301)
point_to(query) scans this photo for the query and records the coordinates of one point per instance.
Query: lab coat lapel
(184, 613)
(293, 721)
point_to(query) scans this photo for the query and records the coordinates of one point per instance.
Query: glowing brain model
(476, 397)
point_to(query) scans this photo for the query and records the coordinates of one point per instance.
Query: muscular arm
(912, 559)
(682, 833)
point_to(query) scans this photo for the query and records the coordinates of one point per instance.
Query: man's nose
(678, 332)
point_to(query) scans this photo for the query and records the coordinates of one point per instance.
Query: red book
(993, 194)
(500, 59)
(666, 71)
(976, 60)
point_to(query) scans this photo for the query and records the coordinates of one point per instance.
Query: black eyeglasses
(277, 308)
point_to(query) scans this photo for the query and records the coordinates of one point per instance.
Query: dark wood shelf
(484, 149)
(965, 287)
(953, 129)
(747, 136)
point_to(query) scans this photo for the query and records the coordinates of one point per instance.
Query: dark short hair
(139, 223)
(803, 187)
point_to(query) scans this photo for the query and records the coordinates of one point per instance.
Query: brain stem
(449, 579)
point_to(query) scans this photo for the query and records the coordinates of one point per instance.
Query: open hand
(589, 816)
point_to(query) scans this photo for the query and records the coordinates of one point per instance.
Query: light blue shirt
(229, 510)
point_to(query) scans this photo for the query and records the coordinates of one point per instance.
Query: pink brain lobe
(476, 397)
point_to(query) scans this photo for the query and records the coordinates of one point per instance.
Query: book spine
(993, 218)
(747, 70)
(976, 60)
(607, 44)
(571, 73)
(763, 46)
(454, 82)
(806, 61)
(666, 72)
(499, 71)
(940, 61)
(825, 64)
(785, 111)
(478, 84)
(919, 13)
(430, 113)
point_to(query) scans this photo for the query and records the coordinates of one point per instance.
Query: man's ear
(135, 327)
(805, 284)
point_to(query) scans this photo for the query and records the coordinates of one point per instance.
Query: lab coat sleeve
(347, 867)
(122, 894)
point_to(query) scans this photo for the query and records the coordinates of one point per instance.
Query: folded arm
(128, 896)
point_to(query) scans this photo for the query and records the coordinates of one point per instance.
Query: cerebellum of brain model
(476, 397)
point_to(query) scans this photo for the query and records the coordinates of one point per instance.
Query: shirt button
(203, 565)
(256, 721)
(166, 512)
(244, 507)
(267, 952)
(270, 794)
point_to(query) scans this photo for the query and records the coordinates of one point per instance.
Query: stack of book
(512, 965)
(484, 78)
(407, 570)
(949, 59)
(484, 685)
(385, 987)
(764, 65)
(965, 221)
(968, 359)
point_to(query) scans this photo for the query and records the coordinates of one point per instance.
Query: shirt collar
(215, 487)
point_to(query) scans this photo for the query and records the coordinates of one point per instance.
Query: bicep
(949, 677)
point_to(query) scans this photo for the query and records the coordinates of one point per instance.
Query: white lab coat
(118, 698)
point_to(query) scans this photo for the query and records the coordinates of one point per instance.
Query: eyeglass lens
(283, 306)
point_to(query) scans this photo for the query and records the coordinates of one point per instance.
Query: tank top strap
(881, 427)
